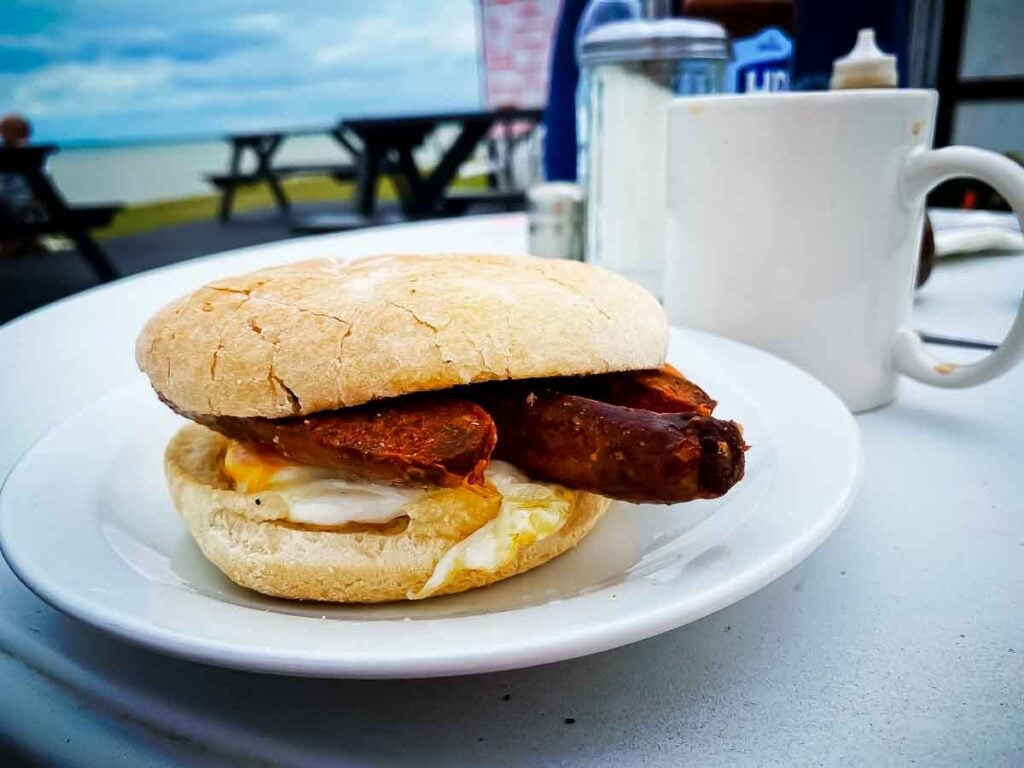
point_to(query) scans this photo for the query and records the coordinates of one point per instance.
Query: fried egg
(528, 511)
(315, 495)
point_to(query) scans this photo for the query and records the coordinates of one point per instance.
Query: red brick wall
(516, 43)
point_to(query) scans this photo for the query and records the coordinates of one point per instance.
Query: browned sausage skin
(430, 441)
(625, 453)
(636, 436)
(662, 390)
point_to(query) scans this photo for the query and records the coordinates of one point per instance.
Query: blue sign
(760, 63)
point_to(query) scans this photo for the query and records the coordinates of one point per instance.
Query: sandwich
(401, 427)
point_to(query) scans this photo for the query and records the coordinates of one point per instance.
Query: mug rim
(797, 97)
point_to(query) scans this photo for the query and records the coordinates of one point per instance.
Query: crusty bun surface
(326, 334)
(362, 564)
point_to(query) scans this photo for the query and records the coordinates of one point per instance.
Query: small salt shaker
(555, 214)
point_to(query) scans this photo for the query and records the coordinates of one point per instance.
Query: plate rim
(664, 616)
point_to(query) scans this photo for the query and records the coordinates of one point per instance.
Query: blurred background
(173, 130)
(140, 94)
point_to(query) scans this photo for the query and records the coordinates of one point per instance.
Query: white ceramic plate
(86, 522)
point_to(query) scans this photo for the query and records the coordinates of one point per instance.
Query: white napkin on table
(959, 232)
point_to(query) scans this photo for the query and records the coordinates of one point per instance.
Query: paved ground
(31, 281)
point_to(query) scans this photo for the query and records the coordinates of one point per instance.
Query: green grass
(146, 217)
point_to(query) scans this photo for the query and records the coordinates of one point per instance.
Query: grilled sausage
(625, 453)
(428, 441)
(636, 436)
(662, 390)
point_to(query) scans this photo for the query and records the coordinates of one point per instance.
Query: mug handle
(925, 169)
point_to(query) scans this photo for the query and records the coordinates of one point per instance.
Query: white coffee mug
(794, 223)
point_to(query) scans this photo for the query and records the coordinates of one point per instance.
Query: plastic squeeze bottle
(866, 66)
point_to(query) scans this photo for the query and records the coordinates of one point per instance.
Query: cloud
(450, 32)
(85, 88)
(259, 22)
(207, 68)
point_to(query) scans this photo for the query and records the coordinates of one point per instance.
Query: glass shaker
(554, 211)
(630, 71)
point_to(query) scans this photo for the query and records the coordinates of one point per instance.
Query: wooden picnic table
(264, 146)
(379, 146)
(386, 146)
(421, 192)
(50, 212)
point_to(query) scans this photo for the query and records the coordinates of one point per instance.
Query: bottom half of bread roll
(443, 541)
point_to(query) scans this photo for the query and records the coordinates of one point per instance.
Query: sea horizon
(298, 129)
(145, 171)
(295, 129)
(138, 141)
(139, 171)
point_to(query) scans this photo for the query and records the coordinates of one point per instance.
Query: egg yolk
(251, 469)
(487, 539)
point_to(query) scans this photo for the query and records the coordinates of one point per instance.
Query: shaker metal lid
(555, 197)
(645, 39)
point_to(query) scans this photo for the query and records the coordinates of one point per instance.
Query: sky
(112, 70)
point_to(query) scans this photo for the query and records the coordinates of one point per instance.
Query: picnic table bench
(264, 146)
(50, 212)
(387, 145)
(422, 192)
(384, 146)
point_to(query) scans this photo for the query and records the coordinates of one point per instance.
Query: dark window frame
(954, 89)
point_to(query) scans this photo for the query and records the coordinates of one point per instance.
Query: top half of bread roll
(326, 334)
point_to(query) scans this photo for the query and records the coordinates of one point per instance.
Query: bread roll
(365, 565)
(329, 334)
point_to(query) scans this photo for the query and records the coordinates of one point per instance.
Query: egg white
(529, 511)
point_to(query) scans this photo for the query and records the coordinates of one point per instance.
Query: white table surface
(901, 639)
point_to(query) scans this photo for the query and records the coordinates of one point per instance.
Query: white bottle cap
(866, 66)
